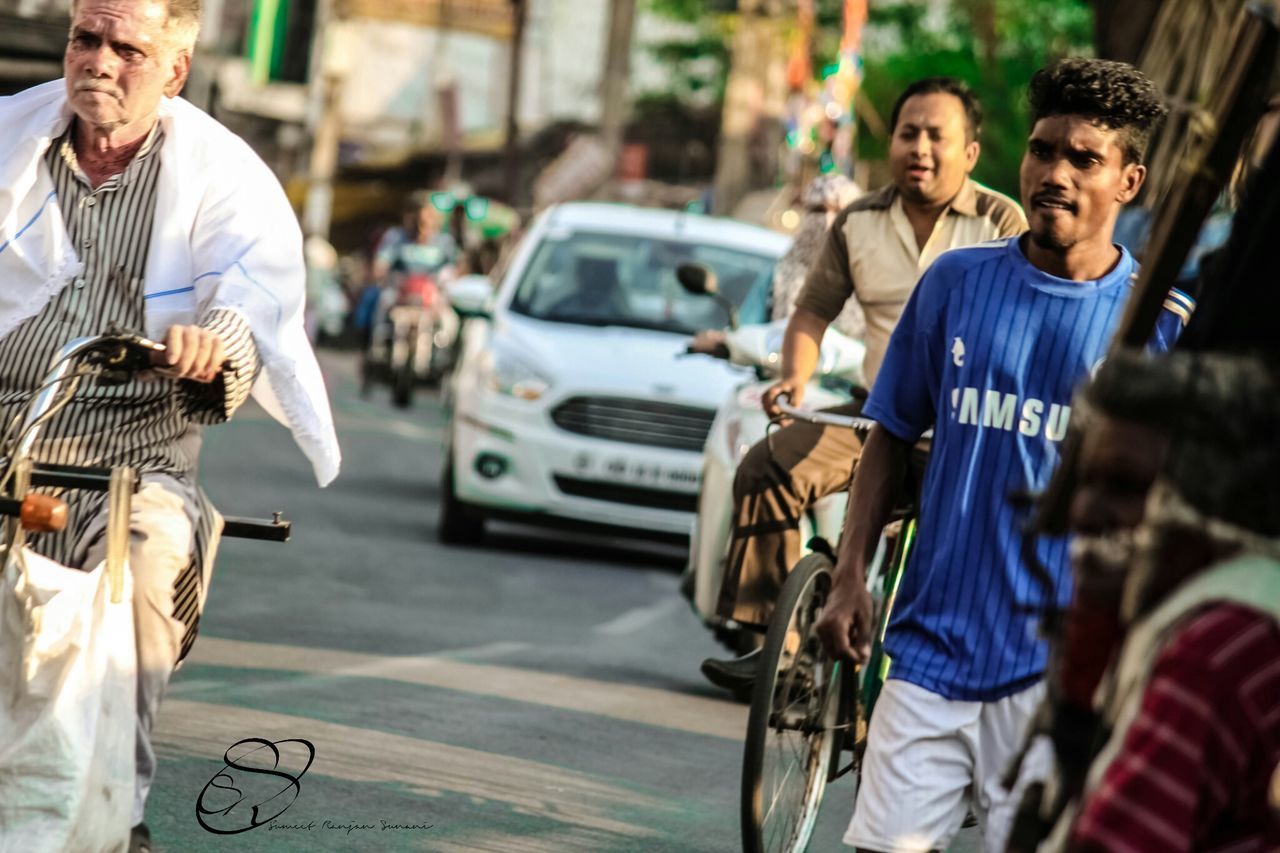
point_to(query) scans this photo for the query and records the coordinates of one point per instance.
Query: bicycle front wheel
(791, 728)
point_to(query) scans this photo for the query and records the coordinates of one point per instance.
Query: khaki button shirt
(871, 254)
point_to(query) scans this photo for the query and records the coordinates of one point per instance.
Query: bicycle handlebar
(854, 422)
(117, 355)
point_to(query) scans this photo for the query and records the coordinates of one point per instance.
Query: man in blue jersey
(992, 343)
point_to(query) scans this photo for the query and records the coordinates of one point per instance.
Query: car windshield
(621, 280)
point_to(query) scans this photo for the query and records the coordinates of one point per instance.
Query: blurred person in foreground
(121, 203)
(987, 354)
(872, 256)
(1185, 447)
(1206, 427)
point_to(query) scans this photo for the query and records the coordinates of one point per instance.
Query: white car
(573, 401)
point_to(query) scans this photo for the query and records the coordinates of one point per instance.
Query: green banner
(267, 30)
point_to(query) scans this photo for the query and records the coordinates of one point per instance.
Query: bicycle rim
(793, 710)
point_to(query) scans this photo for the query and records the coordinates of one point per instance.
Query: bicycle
(407, 343)
(807, 708)
(110, 358)
(68, 714)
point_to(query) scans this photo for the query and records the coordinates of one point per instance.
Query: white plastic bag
(67, 710)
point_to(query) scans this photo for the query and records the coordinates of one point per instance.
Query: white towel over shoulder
(224, 237)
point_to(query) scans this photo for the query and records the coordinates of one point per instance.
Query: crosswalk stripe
(631, 703)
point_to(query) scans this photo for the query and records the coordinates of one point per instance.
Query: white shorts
(929, 758)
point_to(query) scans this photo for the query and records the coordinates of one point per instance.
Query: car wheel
(459, 524)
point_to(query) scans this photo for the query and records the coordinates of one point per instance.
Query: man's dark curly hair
(1114, 94)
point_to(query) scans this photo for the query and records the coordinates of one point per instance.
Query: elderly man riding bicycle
(123, 204)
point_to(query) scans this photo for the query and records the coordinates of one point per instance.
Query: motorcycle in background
(408, 347)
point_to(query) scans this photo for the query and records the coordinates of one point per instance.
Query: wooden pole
(617, 70)
(512, 156)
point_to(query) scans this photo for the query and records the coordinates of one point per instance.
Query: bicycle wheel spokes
(794, 766)
(793, 714)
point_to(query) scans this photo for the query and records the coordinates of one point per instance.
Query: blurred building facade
(32, 36)
(415, 74)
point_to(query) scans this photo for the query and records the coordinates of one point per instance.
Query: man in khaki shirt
(875, 251)
(873, 254)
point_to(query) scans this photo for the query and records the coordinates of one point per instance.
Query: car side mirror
(470, 296)
(698, 279)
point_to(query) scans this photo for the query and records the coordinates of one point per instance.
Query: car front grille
(632, 421)
(630, 495)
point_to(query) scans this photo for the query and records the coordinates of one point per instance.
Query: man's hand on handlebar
(709, 342)
(190, 352)
(845, 626)
(792, 389)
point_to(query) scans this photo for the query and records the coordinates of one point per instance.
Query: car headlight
(512, 375)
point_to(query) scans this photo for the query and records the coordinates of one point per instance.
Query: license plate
(633, 472)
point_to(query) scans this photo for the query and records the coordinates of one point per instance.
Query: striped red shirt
(1195, 766)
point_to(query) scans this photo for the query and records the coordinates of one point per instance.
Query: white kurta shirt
(224, 237)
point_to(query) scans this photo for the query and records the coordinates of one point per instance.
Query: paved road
(537, 694)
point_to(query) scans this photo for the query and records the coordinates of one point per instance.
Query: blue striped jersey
(988, 352)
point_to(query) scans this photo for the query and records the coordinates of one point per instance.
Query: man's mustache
(95, 86)
(1052, 198)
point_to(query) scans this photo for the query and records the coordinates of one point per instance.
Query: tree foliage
(698, 62)
(993, 45)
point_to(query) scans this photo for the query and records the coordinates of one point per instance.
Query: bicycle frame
(876, 670)
(122, 481)
(51, 389)
(116, 354)
(860, 686)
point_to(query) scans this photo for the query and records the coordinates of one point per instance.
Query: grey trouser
(163, 519)
(777, 481)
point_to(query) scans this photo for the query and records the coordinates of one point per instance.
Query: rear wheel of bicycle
(790, 731)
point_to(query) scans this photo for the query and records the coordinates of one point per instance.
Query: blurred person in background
(820, 202)
(326, 299)
(418, 245)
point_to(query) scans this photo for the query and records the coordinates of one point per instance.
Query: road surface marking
(639, 618)
(488, 650)
(632, 703)
(427, 768)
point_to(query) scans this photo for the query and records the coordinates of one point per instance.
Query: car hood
(617, 360)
